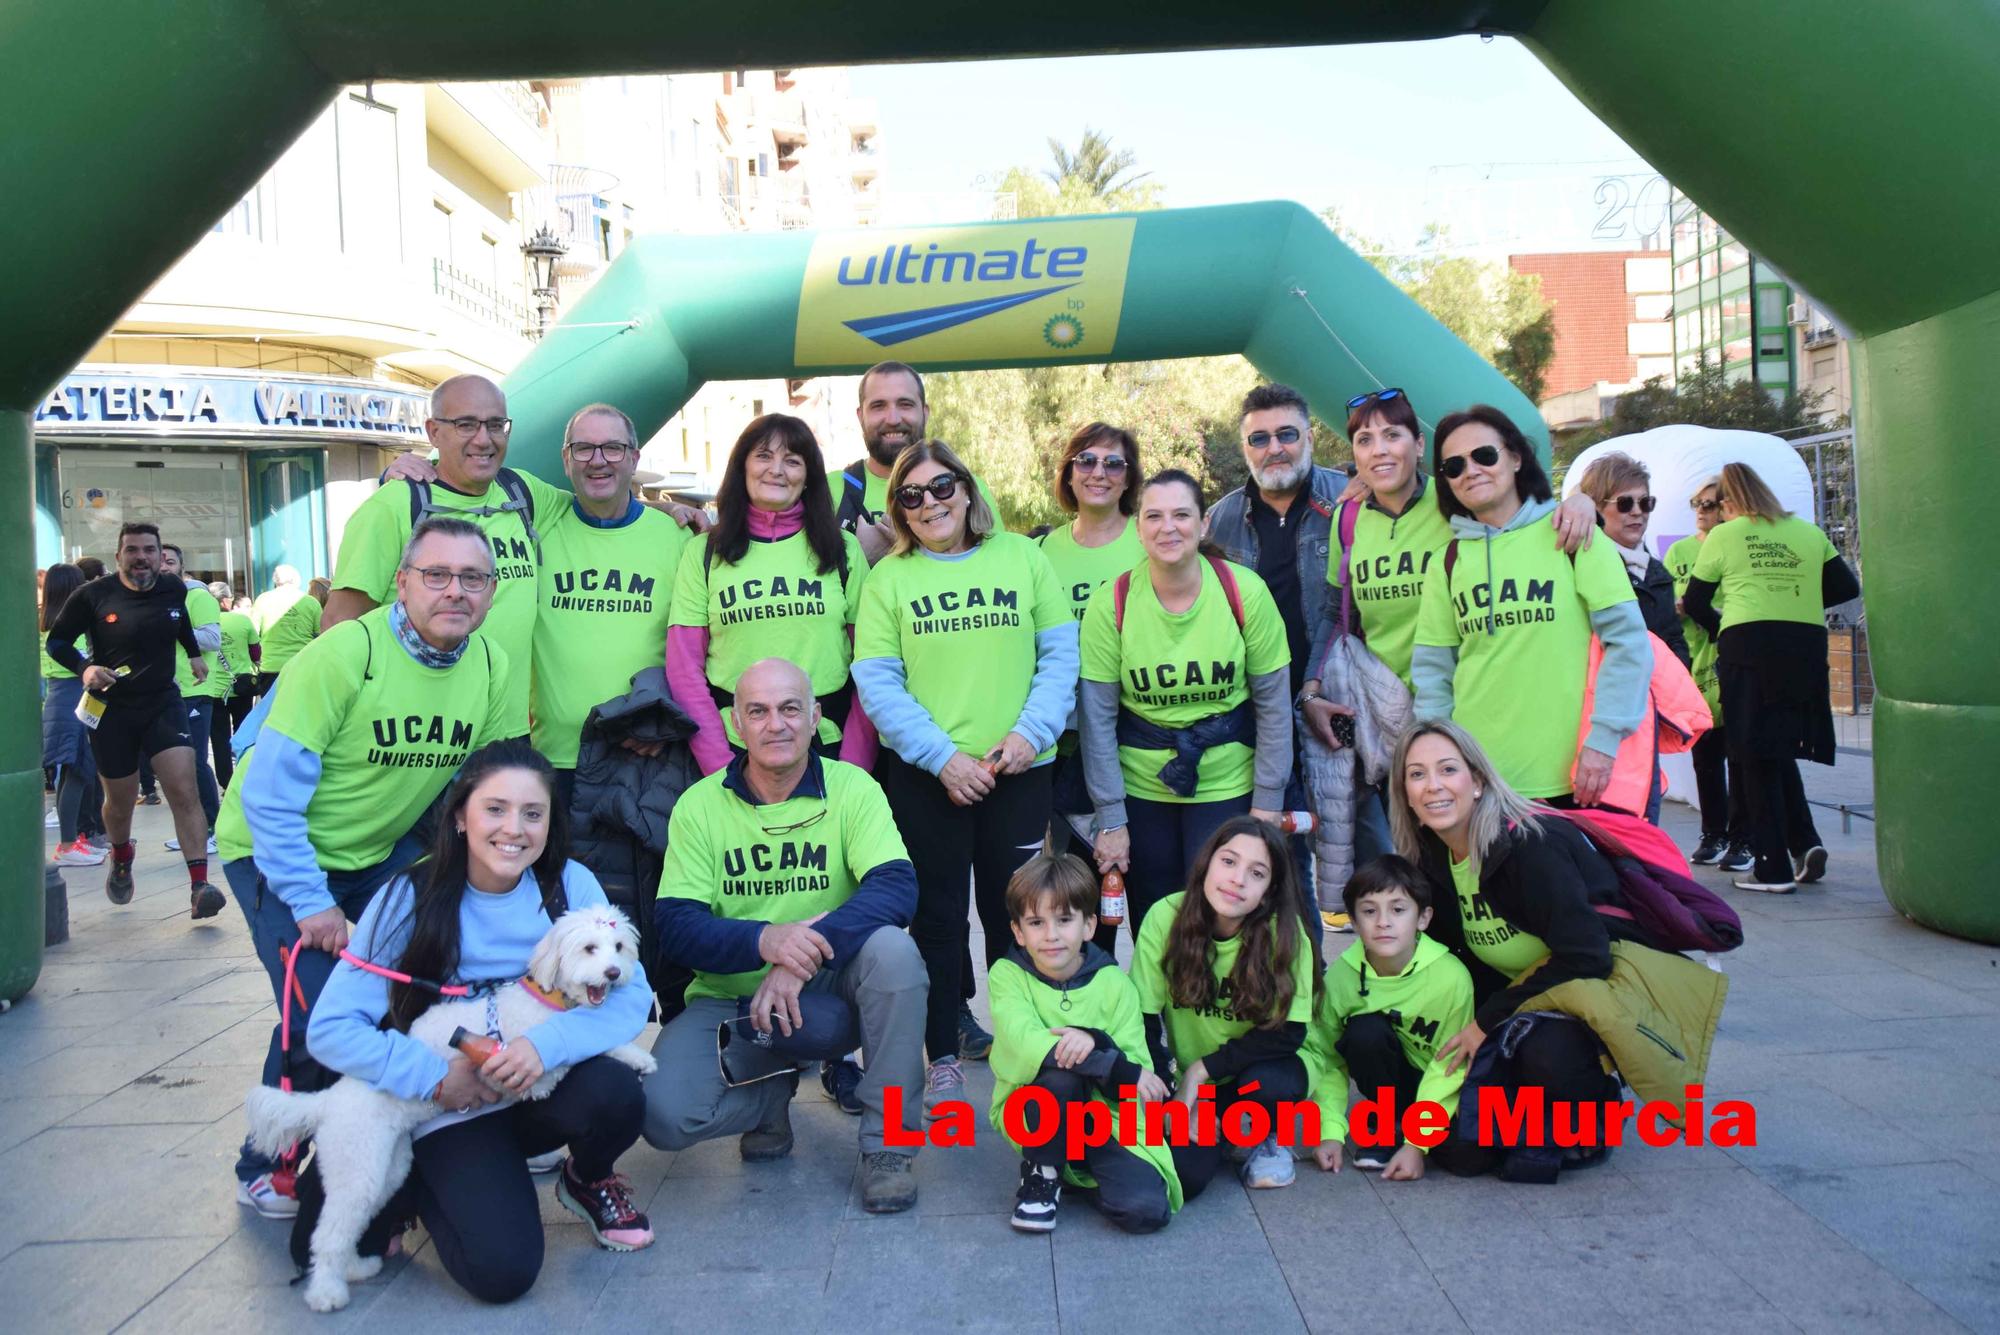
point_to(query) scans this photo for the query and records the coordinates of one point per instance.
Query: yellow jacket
(1656, 1013)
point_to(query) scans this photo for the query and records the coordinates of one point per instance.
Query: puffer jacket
(1680, 716)
(618, 813)
(1656, 1014)
(1350, 675)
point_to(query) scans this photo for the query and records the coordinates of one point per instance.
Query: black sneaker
(973, 1042)
(118, 882)
(1810, 865)
(1374, 1158)
(1709, 851)
(607, 1207)
(150, 798)
(204, 901)
(1036, 1201)
(1738, 858)
(842, 1082)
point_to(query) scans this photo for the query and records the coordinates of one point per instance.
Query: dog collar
(555, 1001)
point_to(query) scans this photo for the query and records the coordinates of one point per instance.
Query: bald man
(787, 890)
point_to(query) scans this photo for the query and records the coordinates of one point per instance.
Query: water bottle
(1111, 899)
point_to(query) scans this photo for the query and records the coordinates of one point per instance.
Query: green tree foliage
(1704, 395)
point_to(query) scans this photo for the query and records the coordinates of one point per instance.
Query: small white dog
(363, 1135)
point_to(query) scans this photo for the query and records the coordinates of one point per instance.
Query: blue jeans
(200, 709)
(1371, 826)
(271, 926)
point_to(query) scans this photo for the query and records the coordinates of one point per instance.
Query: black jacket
(1544, 883)
(1655, 593)
(618, 813)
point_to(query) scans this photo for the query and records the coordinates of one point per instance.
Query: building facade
(1612, 312)
(1730, 307)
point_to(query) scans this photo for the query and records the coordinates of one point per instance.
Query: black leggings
(1781, 822)
(954, 849)
(1718, 785)
(1277, 1079)
(473, 1191)
(1374, 1057)
(1561, 1056)
(219, 731)
(1130, 1192)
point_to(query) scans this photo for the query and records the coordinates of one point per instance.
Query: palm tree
(1094, 167)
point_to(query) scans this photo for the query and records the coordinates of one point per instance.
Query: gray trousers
(687, 1100)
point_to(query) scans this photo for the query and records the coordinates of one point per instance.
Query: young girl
(1229, 965)
(473, 911)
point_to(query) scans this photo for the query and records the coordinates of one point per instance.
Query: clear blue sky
(1478, 135)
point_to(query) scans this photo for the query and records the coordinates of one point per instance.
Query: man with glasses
(374, 719)
(606, 582)
(786, 888)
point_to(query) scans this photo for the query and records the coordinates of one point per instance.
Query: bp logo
(1062, 331)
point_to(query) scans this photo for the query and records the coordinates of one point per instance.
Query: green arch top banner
(1268, 280)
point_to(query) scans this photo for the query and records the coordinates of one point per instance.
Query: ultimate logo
(1022, 291)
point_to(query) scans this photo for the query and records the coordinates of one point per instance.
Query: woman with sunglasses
(1725, 831)
(1503, 638)
(1774, 575)
(1622, 490)
(775, 578)
(965, 657)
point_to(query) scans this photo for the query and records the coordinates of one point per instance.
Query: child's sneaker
(1039, 1196)
(973, 1042)
(943, 1082)
(1336, 921)
(1269, 1165)
(1374, 1158)
(272, 1195)
(841, 1080)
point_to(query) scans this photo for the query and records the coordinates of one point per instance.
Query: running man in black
(134, 618)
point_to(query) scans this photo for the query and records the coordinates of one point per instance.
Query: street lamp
(543, 249)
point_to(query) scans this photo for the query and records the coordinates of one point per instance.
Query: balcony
(477, 300)
(859, 113)
(500, 128)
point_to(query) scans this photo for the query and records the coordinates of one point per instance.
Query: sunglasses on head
(1379, 395)
(1483, 455)
(944, 486)
(1624, 504)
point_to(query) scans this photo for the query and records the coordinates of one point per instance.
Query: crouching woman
(472, 912)
(1568, 987)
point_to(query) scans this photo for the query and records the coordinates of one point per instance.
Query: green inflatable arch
(133, 124)
(1266, 280)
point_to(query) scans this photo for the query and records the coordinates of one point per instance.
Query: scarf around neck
(416, 646)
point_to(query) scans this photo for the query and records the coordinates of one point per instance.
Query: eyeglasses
(469, 426)
(440, 578)
(1112, 464)
(797, 825)
(612, 452)
(944, 486)
(1261, 440)
(1379, 395)
(1705, 507)
(1483, 455)
(1624, 504)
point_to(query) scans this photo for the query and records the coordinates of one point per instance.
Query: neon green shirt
(239, 632)
(1519, 688)
(605, 598)
(287, 624)
(202, 610)
(1195, 1033)
(1492, 938)
(1081, 569)
(1387, 564)
(1679, 562)
(1177, 668)
(1766, 570)
(1428, 1002)
(389, 732)
(372, 546)
(965, 629)
(721, 852)
(774, 603)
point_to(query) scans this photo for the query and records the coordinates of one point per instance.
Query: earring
(1476, 794)
(461, 829)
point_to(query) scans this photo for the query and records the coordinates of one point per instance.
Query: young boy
(1392, 999)
(1065, 1017)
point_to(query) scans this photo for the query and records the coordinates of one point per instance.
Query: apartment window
(441, 232)
(1771, 306)
(604, 238)
(371, 196)
(756, 407)
(490, 248)
(763, 164)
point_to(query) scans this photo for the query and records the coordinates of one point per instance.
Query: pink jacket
(1680, 717)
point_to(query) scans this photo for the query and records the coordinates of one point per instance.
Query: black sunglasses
(1705, 506)
(944, 486)
(1483, 455)
(1624, 504)
(1379, 395)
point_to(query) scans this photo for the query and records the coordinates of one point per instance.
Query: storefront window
(194, 496)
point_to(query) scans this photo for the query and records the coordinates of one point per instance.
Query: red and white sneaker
(607, 1207)
(77, 853)
(273, 1195)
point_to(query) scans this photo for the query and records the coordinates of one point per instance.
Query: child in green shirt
(1066, 1020)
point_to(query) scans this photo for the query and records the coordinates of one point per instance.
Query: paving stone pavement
(1872, 1200)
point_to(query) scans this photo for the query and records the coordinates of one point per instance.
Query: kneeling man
(786, 889)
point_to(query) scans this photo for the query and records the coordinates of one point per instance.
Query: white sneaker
(546, 1163)
(1269, 1165)
(943, 1081)
(50, 822)
(77, 853)
(174, 845)
(260, 1195)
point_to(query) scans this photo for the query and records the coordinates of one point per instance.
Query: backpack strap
(520, 500)
(1350, 515)
(1121, 589)
(1229, 589)
(1450, 562)
(853, 495)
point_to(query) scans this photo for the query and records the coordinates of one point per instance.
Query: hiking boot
(1765, 887)
(77, 853)
(1036, 1201)
(118, 882)
(1810, 865)
(973, 1042)
(771, 1140)
(942, 1082)
(204, 901)
(842, 1082)
(1709, 851)
(888, 1182)
(1336, 922)
(273, 1195)
(1269, 1165)
(607, 1207)
(1739, 858)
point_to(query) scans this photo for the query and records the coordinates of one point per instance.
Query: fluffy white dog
(363, 1135)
